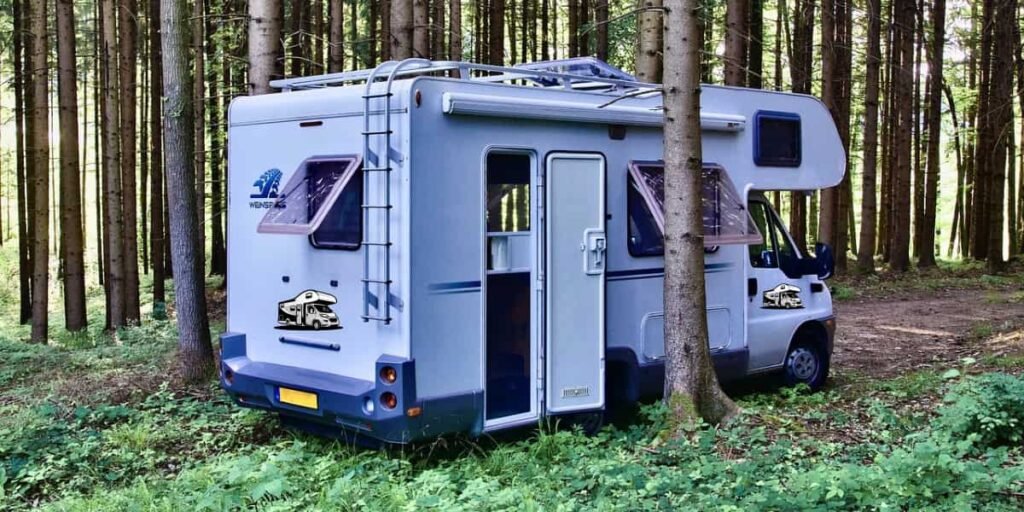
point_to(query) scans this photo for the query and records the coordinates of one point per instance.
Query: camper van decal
(266, 188)
(783, 296)
(308, 310)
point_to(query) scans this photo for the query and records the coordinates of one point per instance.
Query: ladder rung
(381, 132)
(377, 169)
(379, 95)
(382, 244)
(377, 206)
(378, 281)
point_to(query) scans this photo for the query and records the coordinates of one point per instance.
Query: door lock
(594, 247)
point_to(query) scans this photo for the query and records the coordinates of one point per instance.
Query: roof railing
(485, 73)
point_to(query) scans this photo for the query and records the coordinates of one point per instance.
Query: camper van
(490, 240)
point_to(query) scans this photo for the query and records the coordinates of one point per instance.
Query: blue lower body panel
(348, 406)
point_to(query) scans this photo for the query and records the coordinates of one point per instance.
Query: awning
(309, 195)
(726, 217)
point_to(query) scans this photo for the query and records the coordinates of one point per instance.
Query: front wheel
(316, 325)
(806, 363)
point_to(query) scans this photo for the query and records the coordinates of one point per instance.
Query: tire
(806, 363)
(316, 325)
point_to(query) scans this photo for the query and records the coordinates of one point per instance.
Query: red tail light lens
(388, 375)
(388, 400)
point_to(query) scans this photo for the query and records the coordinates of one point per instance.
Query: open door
(575, 254)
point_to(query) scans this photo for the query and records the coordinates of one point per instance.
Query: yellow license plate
(296, 397)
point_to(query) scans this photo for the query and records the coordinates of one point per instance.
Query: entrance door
(575, 253)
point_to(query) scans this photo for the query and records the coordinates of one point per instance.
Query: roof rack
(538, 73)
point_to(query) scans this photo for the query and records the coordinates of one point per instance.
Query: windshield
(322, 308)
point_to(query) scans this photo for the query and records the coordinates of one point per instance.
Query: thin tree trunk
(455, 31)
(755, 60)
(195, 350)
(574, 28)
(984, 146)
(601, 21)
(38, 156)
(691, 386)
(114, 223)
(337, 36)
(648, 55)
(264, 44)
(868, 212)
(70, 193)
(386, 34)
(958, 207)
(496, 36)
(157, 242)
(218, 256)
(736, 42)
(829, 95)
(128, 30)
(899, 258)
(24, 231)
(545, 43)
(938, 23)
(199, 104)
(1001, 110)
(437, 29)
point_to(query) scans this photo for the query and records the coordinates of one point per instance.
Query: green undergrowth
(947, 275)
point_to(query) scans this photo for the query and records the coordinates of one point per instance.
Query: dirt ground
(887, 337)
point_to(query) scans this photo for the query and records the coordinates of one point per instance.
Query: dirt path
(888, 337)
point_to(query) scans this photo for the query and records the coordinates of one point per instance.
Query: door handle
(594, 246)
(752, 287)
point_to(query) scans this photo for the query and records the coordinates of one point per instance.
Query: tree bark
(218, 254)
(21, 71)
(496, 34)
(337, 36)
(935, 61)
(868, 212)
(736, 42)
(114, 216)
(190, 299)
(401, 29)
(70, 193)
(127, 27)
(755, 46)
(157, 242)
(648, 55)
(264, 44)
(1001, 113)
(38, 157)
(691, 386)
(455, 31)
(601, 22)
(199, 104)
(903, 39)
(420, 29)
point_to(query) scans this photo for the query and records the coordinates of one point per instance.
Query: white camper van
(491, 242)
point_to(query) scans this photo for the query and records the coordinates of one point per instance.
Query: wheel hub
(803, 364)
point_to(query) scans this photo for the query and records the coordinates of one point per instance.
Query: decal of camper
(783, 296)
(308, 310)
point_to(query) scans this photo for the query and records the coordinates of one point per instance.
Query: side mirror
(826, 260)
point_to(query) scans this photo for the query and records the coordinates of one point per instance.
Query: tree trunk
(496, 34)
(927, 251)
(218, 255)
(903, 81)
(958, 207)
(829, 96)
(337, 36)
(24, 231)
(128, 30)
(199, 104)
(157, 229)
(648, 55)
(264, 44)
(601, 22)
(420, 29)
(919, 133)
(70, 193)
(38, 156)
(385, 29)
(868, 212)
(984, 146)
(736, 42)
(545, 43)
(437, 29)
(1001, 113)
(755, 60)
(401, 29)
(691, 386)
(574, 27)
(455, 31)
(801, 75)
(114, 217)
(190, 298)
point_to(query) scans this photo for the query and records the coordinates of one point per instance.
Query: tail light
(388, 375)
(388, 400)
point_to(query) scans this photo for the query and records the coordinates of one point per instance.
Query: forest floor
(924, 410)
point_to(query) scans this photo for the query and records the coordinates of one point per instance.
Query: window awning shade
(726, 218)
(308, 196)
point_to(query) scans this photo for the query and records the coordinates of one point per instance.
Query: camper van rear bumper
(346, 405)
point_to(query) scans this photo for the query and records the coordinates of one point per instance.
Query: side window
(508, 192)
(763, 255)
(777, 139)
(342, 228)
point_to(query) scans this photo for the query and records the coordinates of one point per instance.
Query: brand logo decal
(783, 296)
(266, 188)
(309, 310)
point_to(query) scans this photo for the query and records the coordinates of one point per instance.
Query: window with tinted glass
(777, 139)
(776, 248)
(342, 228)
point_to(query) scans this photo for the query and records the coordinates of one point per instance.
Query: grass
(95, 421)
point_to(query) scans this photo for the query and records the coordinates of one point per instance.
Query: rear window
(318, 190)
(726, 218)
